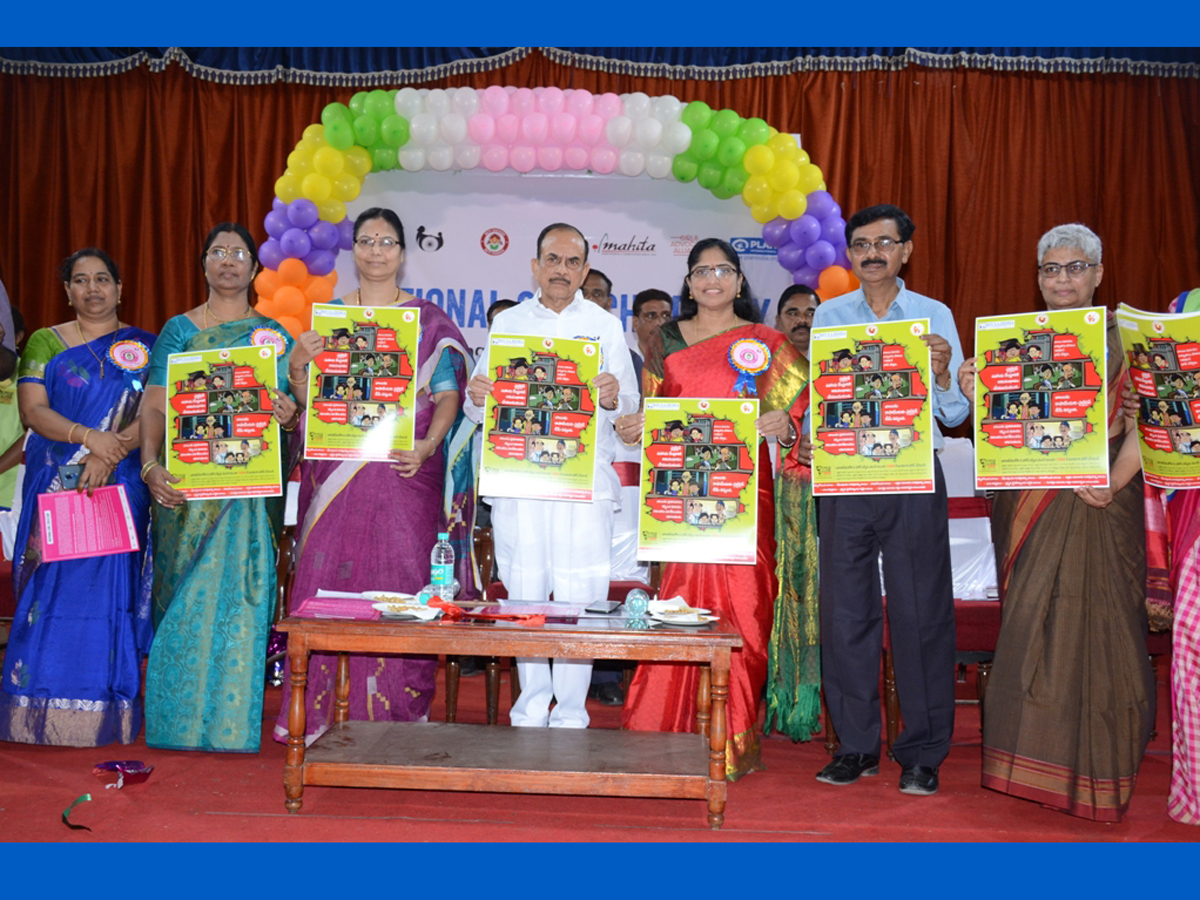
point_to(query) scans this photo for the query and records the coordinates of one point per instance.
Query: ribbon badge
(749, 357)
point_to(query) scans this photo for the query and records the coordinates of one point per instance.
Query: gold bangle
(147, 467)
(85, 435)
(289, 430)
(71, 431)
(301, 380)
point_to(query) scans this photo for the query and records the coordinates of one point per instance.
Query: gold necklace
(86, 343)
(244, 315)
(358, 293)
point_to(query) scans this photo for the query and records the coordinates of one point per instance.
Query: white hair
(1071, 237)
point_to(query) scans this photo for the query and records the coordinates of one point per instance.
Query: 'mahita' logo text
(632, 247)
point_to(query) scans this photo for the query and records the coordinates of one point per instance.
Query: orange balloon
(833, 282)
(266, 283)
(289, 301)
(291, 325)
(265, 307)
(319, 291)
(292, 271)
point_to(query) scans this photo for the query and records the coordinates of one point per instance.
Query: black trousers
(912, 532)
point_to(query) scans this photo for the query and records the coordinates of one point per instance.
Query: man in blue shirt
(912, 533)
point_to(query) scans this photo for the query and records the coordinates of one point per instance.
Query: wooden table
(456, 757)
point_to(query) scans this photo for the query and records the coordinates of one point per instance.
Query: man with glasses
(912, 533)
(559, 547)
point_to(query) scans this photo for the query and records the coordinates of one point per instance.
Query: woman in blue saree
(72, 667)
(214, 565)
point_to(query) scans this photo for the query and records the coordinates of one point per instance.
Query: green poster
(1163, 354)
(699, 481)
(361, 396)
(222, 438)
(872, 415)
(539, 421)
(1040, 400)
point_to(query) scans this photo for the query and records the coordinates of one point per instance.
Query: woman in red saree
(696, 356)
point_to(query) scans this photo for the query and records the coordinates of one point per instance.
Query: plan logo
(431, 243)
(752, 246)
(494, 241)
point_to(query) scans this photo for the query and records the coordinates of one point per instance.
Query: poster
(222, 438)
(539, 420)
(75, 525)
(1163, 354)
(1040, 400)
(699, 481)
(872, 413)
(361, 391)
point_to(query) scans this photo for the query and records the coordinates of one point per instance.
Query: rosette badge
(749, 357)
(129, 355)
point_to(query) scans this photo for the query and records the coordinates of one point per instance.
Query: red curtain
(143, 164)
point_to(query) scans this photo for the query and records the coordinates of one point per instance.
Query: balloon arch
(544, 128)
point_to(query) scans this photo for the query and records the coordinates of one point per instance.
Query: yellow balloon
(345, 186)
(763, 213)
(810, 178)
(316, 187)
(792, 204)
(784, 175)
(329, 161)
(358, 161)
(299, 163)
(756, 191)
(287, 188)
(315, 132)
(758, 159)
(783, 145)
(801, 157)
(309, 146)
(331, 210)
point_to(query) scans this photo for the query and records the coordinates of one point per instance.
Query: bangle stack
(147, 467)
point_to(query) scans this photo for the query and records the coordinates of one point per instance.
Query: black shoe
(470, 665)
(920, 780)
(848, 768)
(609, 693)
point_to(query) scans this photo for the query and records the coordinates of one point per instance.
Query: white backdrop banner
(471, 234)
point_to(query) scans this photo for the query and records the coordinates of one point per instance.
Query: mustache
(874, 262)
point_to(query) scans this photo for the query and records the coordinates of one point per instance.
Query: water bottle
(441, 568)
(637, 602)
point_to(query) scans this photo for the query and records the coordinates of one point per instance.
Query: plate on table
(407, 611)
(391, 597)
(675, 608)
(689, 619)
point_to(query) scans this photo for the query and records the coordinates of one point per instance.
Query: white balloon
(408, 102)
(466, 156)
(666, 109)
(466, 101)
(440, 156)
(619, 130)
(412, 159)
(437, 102)
(423, 129)
(631, 162)
(676, 137)
(647, 133)
(453, 128)
(658, 165)
(637, 105)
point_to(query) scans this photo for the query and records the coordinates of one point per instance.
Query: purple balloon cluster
(811, 243)
(298, 232)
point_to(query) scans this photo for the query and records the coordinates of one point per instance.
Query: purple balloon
(295, 243)
(835, 211)
(804, 230)
(820, 204)
(270, 254)
(806, 275)
(820, 255)
(775, 232)
(324, 236)
(276, 223)
(833, 229)
(843, 259)
(320, 262)
(791, 257)
(279, 206)
(345, 234)
(303, 213)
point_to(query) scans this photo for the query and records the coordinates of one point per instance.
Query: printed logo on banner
(681, 244)
(633, 246)
(431, 243)
(494, 241)
(752, 246)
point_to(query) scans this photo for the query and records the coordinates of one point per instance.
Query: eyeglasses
(883, 245)
(237, 254)
(722, 273)
(1073, 269)
(369, 243)
(553, 261)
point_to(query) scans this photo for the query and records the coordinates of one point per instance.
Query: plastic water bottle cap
(443, 535)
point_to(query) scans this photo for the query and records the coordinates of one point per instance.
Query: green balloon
(696, 115)
(710, 174)
(723, 193)
(379, 105)
(725, 123)
(684, 168)
(366, 130)
(704, 145)
(339, 134)
(731, 150)
(358, 104)
(394, 130)
(335, 112)
(754, 132)
(383, 158)
(734, 179)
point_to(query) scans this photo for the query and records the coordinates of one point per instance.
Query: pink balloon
(508, 126)
(609, 105)
(481, 128)
(523, 158)
(563, 127)
(603, 159)
(550, 157)
(580, 102)
(495, 157)
(551, 100)
(534, 128)
(495, 100)
(591, 128)
(576, 157)
(523, 102)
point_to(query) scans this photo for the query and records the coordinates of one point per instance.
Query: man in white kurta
(560, 547)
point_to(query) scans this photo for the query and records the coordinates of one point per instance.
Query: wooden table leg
(491, 677)
(293, 770)
(703, 702)
(341, 690)
(453, 668)
(717, 741)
